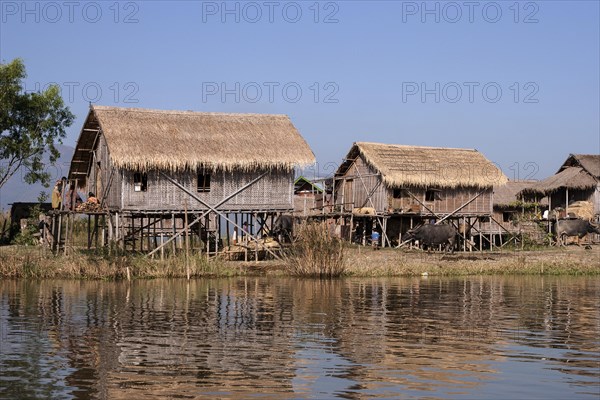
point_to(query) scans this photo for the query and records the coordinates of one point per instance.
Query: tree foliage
(31, 125)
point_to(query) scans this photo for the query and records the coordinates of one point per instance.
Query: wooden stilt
(187, 243)
(162, 232)
(66, 235)
(174, 229)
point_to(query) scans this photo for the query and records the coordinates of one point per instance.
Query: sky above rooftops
(518, 81)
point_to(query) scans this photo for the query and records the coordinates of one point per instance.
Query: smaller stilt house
(574, 191)
(219, 171)
(308, 197)
(516, 214)
(400, 186)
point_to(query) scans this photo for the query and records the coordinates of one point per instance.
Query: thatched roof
(510, 192)
(589, 162)
(402, 166)
(178, 140)
(578, 172)
(572, 178)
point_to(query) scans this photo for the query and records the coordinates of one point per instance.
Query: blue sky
(519, 81)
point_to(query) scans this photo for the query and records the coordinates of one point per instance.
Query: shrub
(316, 253)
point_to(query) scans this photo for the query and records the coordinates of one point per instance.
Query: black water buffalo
(283, 228)
(433, 235)
(573, 227)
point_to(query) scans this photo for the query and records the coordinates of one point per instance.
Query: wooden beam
(214, 209)
(227, 198)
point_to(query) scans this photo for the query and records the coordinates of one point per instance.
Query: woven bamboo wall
(353, 192)
(100, 176)
(272, 192)
(445, 201)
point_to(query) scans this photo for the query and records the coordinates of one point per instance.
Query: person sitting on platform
(92, 199)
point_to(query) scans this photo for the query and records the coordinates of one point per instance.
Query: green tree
(31, 125)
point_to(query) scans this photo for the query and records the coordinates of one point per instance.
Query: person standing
(57, 195)
(72, 199)
(375, 239)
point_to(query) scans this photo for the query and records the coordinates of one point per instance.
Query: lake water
(475, 337)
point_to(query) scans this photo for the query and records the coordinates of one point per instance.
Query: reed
(34, 262)
(316, 253)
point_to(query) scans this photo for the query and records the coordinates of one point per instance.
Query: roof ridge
(181, 112)
(408, 146)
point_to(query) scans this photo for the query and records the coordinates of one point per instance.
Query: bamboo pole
(187, 243)
(162, 233)
(225, 199)
(213, 208)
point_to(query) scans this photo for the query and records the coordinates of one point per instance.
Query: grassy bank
(549, 261)
(36, 263)
(39, 263)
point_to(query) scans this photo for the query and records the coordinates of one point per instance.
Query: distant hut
(308, 196)
(515, 213)
(157, 165)
(575, 188)
(411, 184)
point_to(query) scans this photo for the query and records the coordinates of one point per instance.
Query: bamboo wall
(101, 176)
(361, 180)
(272, 192)
(445, 201)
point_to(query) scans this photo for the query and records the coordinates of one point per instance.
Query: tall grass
(316, 253)
(33, 262)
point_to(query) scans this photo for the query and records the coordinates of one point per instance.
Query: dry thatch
(505, 195)
(589, 162)
(575, 178)
(402, 166)
(143, 139)
(582, 210)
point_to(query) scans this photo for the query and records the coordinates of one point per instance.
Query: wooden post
(187, 243)
(89, 233)
(567, 203)
(66, 235)
(162, 232)
(174, 230)
(480, 234)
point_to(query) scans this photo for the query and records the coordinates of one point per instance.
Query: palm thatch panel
(417, 166)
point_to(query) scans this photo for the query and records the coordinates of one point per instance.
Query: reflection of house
(575, 188)
(399, 183)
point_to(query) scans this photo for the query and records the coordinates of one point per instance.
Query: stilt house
(404, 183)
(145, 160)
(574, 189)
(146, 166)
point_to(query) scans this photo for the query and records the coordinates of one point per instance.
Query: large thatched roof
(578, 172)
(177, 140)
(402, 166)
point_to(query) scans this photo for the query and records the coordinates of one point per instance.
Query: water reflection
(290, 338)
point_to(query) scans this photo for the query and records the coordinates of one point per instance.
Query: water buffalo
(432, 235)
(573, 227)
(283, 228)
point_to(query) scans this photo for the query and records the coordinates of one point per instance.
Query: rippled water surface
(476, 337)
